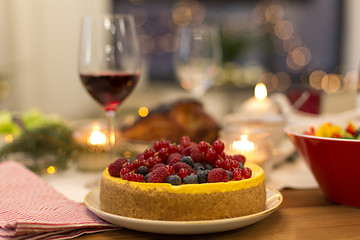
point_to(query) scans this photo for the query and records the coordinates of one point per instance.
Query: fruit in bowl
(332, 152)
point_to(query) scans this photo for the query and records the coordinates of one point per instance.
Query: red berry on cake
(157, 146)
(181, 165)
(218, 146)
(115, 167)
(194, 152)
(164, 144)
(185, 141)
(240, 158)
(237, 174)
(148, 153)
(163, 154)
(159, 175)
(210, 155)
(218, 175)
(183, 172)
(246, 172)
(124, 171)
(174, 158)
(203, 146)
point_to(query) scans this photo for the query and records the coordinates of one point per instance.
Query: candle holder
(254, 144)
(92, 137)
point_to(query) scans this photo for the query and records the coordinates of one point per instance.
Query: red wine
(109, 89)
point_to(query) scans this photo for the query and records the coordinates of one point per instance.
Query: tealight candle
(254, 145)
(93, 138)
(260, 104)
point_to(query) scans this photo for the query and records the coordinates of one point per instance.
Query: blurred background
(291, 46)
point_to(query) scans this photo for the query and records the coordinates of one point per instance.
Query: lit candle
(96, 137)
(260, 104)
(255, 151)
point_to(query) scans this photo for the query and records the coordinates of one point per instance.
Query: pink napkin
(32, 209)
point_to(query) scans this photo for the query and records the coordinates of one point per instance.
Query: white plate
(273, 201)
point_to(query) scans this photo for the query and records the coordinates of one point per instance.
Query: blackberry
(173, 180)
(146, 178)
(209, 166)
(241, 165)
(202, 176)
(230, 175)
(142, 170)
(191, 179)
(198, 166)
(188, 160)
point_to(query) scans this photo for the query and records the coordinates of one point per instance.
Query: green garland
(51, 144)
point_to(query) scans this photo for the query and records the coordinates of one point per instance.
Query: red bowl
(335, 163)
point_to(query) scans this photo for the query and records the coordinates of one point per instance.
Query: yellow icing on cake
(256, 178)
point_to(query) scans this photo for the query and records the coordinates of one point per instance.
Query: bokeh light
(51, 170)
(316, 78)
(143, 111)
(284, 30)
(351, 81)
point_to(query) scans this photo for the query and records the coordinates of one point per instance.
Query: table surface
(304, 214)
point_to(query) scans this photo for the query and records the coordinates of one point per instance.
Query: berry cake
(185, 182)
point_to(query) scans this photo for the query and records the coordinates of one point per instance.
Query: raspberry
(240, 158)
(157, 165)
(148, 153)
(157, 146)
(185, 141)
(136, 163)
(218, 175)
(194, 152)
(164, 144)
(173, 158)
(128, 165)
(180, 165)
(169, 169)
(124, 171)
(159, 175)
(115, 167)
(163, 154)
(246, 172)
(183, 172)
(237, 174)
(135, 177)
(172, 148)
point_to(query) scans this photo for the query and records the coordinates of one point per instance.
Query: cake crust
(162, 201)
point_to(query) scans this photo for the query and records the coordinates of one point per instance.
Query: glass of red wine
(109, 63)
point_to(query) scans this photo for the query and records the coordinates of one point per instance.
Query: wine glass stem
(110, 117)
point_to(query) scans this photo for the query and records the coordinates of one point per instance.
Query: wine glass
(109, 63)
(197, 58)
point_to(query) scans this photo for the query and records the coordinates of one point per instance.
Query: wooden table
(304, 214)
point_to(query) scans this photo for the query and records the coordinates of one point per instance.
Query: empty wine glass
(197, 58)
(109, 63)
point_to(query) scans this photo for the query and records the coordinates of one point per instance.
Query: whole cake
(191, 182)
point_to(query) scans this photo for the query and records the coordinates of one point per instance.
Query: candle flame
(260, 91)
(242, 146)
(97, 137)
